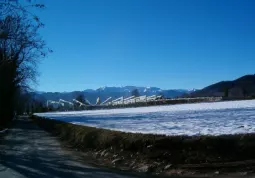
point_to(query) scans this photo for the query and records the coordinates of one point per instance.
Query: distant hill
(241, 87)
(106, 92)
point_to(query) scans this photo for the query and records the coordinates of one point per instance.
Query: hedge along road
(28, 151)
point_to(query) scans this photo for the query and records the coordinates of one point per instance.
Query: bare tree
(135, 93)
(21, 48)
(80, 98)
(13, 7)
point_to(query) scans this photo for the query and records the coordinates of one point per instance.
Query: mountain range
(106, 92)
(240, 87)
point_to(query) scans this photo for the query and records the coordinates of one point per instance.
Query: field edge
(155, 153)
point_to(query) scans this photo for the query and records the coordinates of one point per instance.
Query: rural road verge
(158, 154)
(28, 151)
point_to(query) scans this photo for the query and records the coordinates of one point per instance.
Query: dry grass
(173, 149)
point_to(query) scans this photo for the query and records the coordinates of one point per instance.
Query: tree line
(21, 48)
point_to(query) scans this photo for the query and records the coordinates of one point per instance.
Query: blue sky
(164, 43)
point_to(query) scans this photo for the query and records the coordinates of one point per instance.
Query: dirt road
(28, 151)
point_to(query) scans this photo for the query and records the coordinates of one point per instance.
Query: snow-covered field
(185, 119)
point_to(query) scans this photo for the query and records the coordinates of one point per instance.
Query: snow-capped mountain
(142, 90)
(106, 92)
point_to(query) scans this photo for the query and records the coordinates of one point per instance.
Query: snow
(217, 118)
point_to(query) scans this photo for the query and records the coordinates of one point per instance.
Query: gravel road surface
(28, 151)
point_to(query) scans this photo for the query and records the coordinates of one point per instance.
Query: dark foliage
(7, 90)
(241, 87)
(135, 93)
(81, 98)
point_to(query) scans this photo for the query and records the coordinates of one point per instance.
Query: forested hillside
(241, 87)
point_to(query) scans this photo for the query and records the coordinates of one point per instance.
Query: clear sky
(164, 43)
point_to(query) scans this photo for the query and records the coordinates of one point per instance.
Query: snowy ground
(184, 119)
